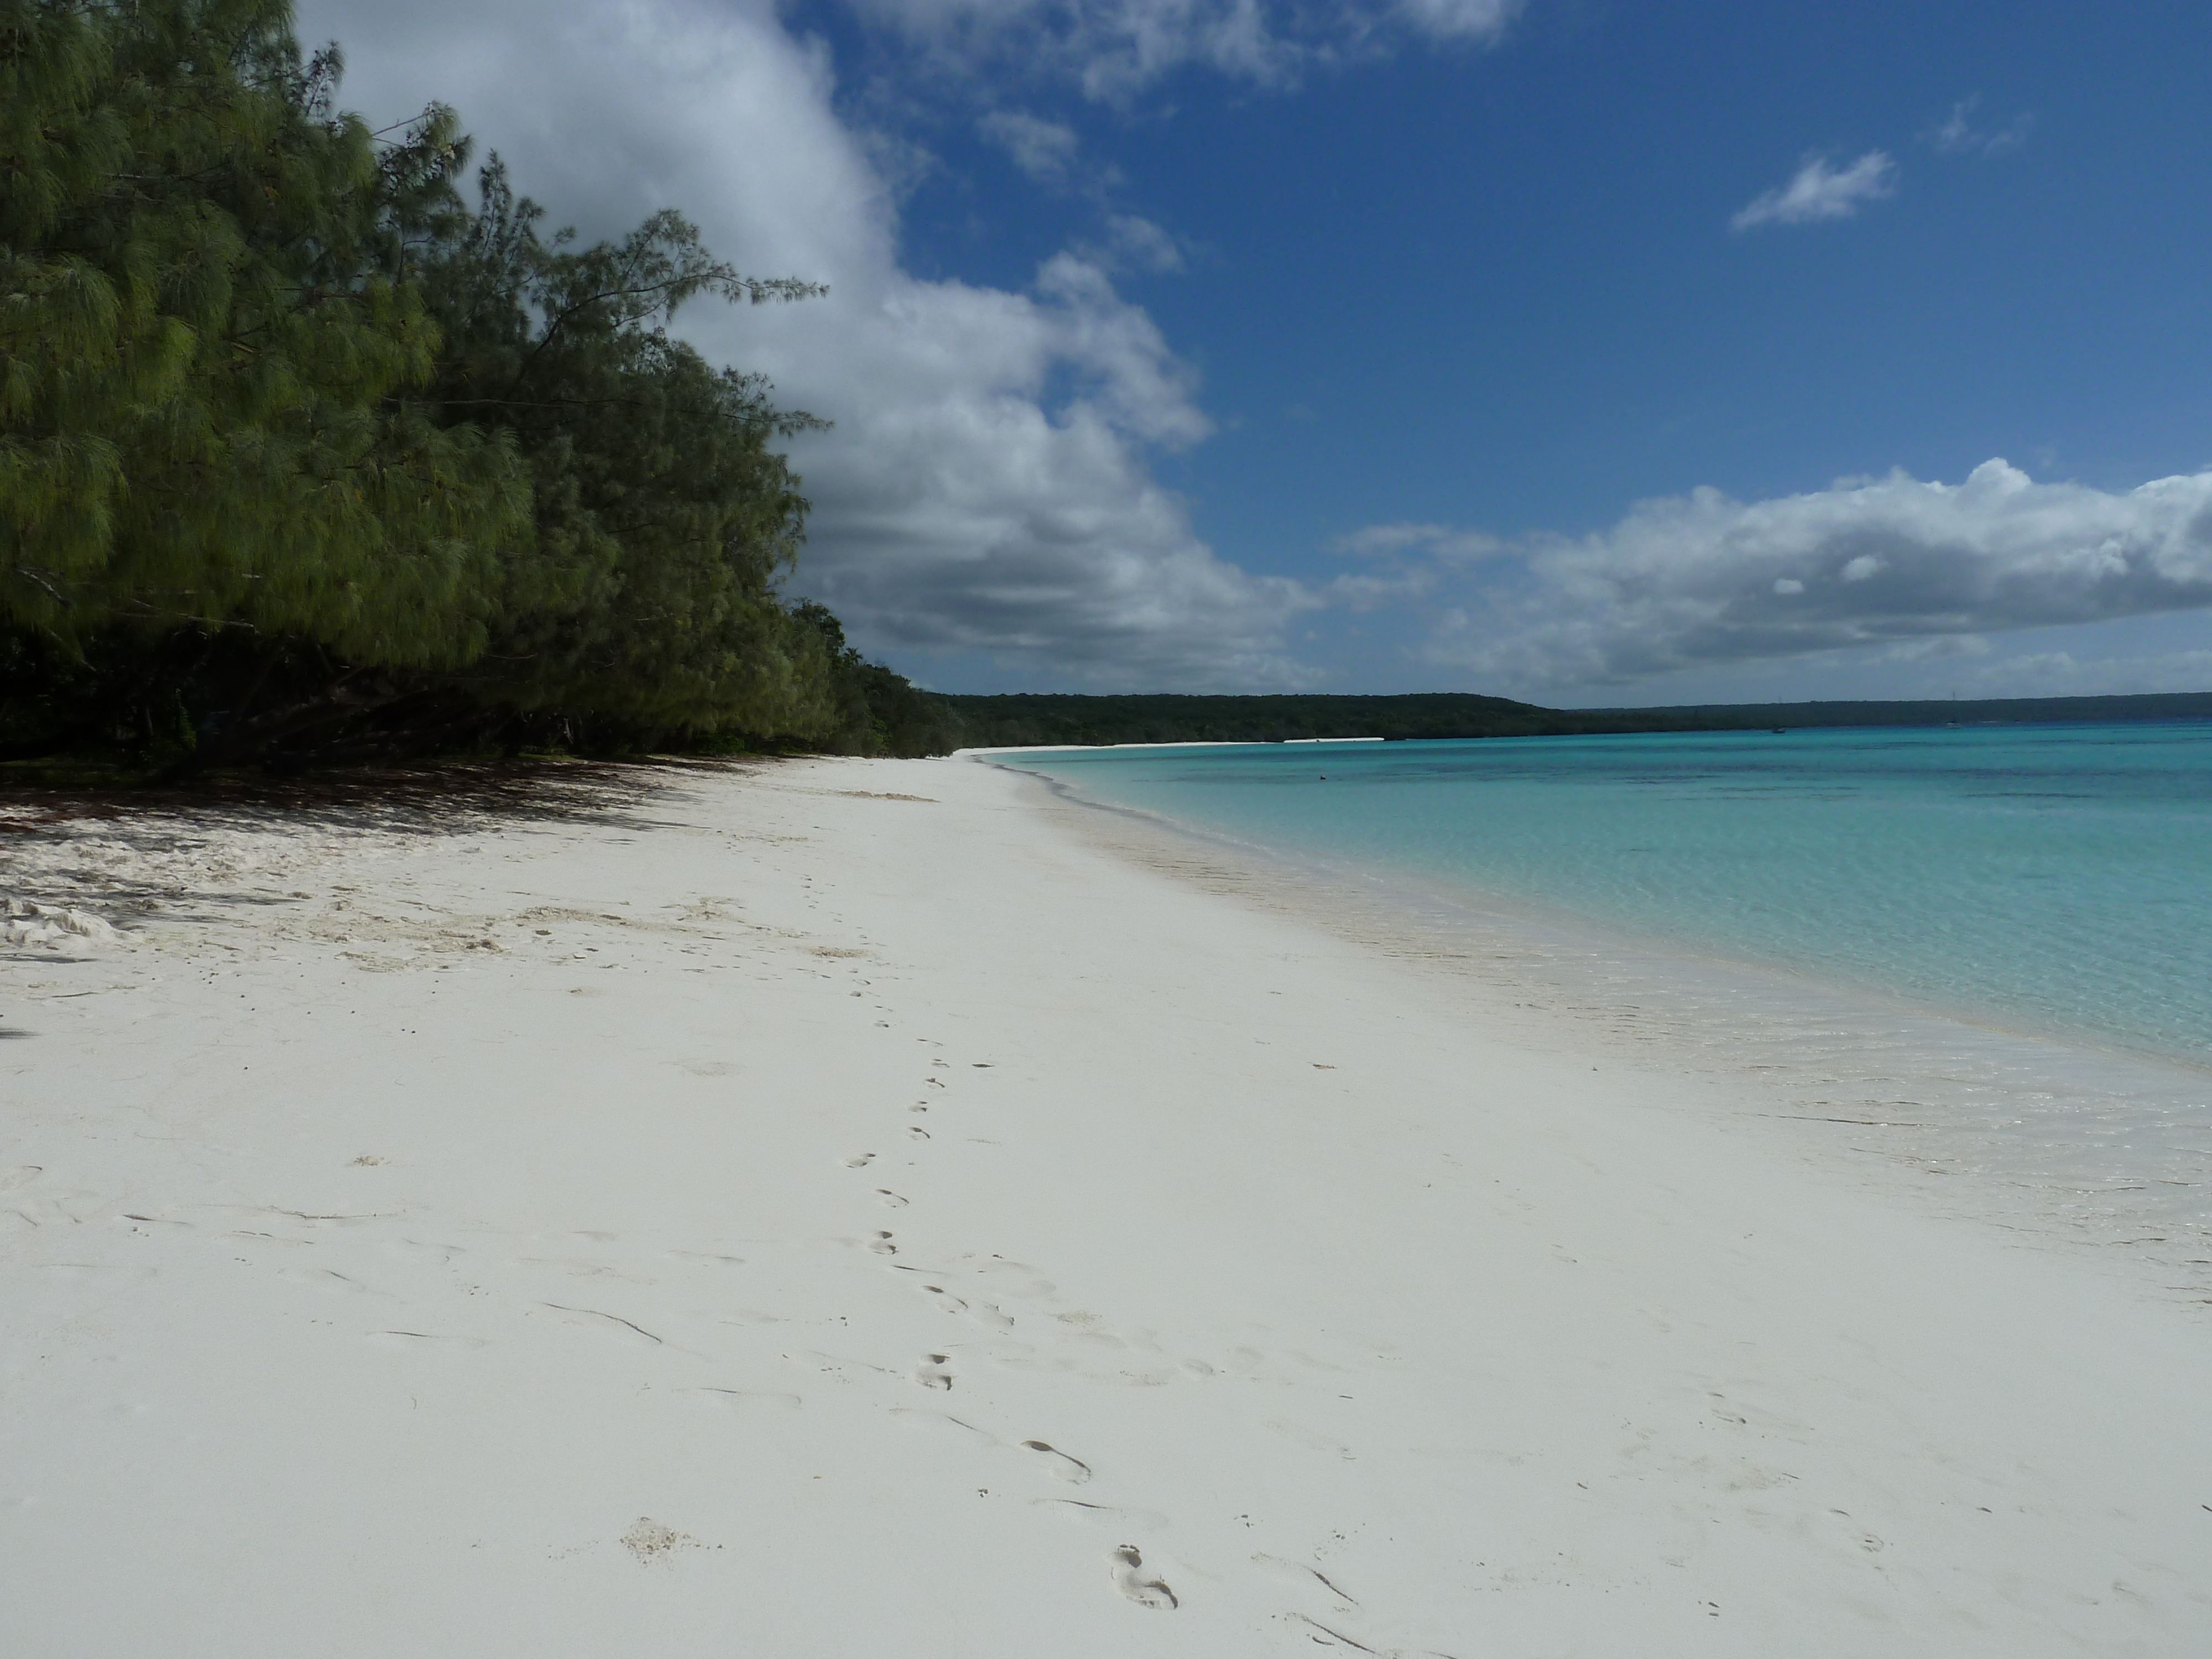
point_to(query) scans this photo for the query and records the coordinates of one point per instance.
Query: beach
(820, 1208)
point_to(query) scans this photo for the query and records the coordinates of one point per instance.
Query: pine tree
(664, 516)
(207, 333)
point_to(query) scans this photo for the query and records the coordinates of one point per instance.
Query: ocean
(2007, 930)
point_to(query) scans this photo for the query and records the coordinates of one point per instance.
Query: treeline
(307, 457)
(1030, 720)
(1021, 720)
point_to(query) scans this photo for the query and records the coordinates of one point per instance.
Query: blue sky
(1177, 345)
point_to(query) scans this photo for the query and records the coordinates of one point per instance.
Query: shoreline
(830, 1206)
(2016, 1125)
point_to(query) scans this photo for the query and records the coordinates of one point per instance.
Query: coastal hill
(1033, 719)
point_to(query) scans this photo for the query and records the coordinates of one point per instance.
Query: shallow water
(2058, 876)
(1988, 947)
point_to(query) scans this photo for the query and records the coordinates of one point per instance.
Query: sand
(836, 1208)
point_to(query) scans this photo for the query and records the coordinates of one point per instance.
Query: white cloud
(986, 486)
(1480, 19)
(1137, 243)
(1819, 191)
(1957, 135)
(1438, 541)
(1113, 48)
(1702, 581)
(1043, 149)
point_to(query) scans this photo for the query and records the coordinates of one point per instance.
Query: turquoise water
(2054, 878)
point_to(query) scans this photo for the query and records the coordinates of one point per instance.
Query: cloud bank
(1820, 193)
(1921, 568)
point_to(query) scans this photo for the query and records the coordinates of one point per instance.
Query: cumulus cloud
(1703, 580)
(1819, 191)
(986, 486)
(1957, 135)
(1113, 48)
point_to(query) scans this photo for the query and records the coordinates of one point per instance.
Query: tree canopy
(302, 454)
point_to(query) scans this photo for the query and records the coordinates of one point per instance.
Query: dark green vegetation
(1028, 720)
(305, 458)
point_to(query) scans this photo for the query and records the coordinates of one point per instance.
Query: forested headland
(316, 446)
(1019, 720)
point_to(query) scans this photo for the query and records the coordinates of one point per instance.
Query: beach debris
(650, 1541)
(26, 923)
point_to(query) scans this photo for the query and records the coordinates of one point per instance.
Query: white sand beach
(836, 1208)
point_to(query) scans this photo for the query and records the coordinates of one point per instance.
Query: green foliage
(878, 712)
(663, 516)
(302, 459)
(204, 330)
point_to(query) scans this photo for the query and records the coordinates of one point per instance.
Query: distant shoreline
(1053, 721)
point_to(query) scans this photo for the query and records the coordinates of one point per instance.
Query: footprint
(915, 1132)
(860, 1160)
(1299, 1571)
(882, 1245)
(950, 1303)
(1073, 1470)
(930, 1372)
(1129, 1579)
(706, 1256)
(891, 1200)
(998, 1319)
(1336, 1639)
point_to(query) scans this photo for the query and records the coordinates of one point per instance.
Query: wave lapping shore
(831, 1208)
